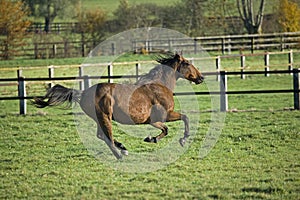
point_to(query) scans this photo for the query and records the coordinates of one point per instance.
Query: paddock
(255, 157)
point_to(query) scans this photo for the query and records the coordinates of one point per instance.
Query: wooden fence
(223, 92)
(225, 44)
(220, 44)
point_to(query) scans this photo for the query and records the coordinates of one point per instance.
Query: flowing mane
(162, 72)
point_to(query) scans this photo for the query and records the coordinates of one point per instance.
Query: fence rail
(22, 97)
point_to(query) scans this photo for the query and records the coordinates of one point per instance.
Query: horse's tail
(58, 95)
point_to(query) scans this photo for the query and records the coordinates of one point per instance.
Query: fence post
(36, 49)
(54, 50)
(80, 74)
(22, 95)
(223, 46)
(267, 64)
(195, 46)
(291, 60)
(223, 90)
(137, 67)
(66, 49)
(252, 45)
(110, 73)
(86, 82)
(50, 74)
(243, 59)
(83, 47)
(113, 49)
(218, 66)
(296, 81)
(229, 45)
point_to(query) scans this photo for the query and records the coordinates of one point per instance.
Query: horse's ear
(177, 57)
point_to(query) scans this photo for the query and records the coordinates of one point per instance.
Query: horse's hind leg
(119, 145)
(107, 137)
(164, 132)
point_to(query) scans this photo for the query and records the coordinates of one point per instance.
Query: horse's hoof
(124, 152)
(150, 139)
(182, 141)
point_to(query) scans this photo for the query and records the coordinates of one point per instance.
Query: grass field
(255, 157)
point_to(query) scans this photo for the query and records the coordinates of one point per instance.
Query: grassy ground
(256, 156)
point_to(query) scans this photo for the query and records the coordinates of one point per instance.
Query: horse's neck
(163, 75)
(168, 78)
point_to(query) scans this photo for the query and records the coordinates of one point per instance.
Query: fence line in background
(224, 44)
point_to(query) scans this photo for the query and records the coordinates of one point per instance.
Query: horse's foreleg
(164, 132)
(174, 116)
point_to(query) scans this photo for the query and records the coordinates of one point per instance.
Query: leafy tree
(13, 25)
(289, 16)
(136, 16)
(92, 24)
(50, 9)
(252, 21)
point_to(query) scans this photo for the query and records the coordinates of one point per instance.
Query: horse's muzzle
(199, 80)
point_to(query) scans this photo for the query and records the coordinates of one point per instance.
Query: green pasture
(255, 157)
(110, 6)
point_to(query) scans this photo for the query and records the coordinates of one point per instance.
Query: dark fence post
(252, 44)
(36, 49)
(195, 46)
(218, 66)
(22, 93)
(291, 60)
(243, 60)
(223, 90)
(66, 52)
(86, 82)
(54, 50)
(113, 49)
(80, 74)
(296, 81)
(267, 64)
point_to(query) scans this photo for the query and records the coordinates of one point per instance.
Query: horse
(148, 101)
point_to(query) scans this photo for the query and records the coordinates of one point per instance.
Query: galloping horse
(148, 101)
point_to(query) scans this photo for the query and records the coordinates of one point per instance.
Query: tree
(91, 24)
(252, 21)
(13, 25)
(289, 16)
(136, 16)
(50, 9)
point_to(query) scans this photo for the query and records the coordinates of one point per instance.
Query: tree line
(191, 17)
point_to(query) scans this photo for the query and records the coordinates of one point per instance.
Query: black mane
(166, 59)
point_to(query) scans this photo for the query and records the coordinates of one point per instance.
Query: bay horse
(148, 101)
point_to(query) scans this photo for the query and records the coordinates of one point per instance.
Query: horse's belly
(131, 115)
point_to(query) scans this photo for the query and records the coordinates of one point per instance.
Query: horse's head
(187, 70)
